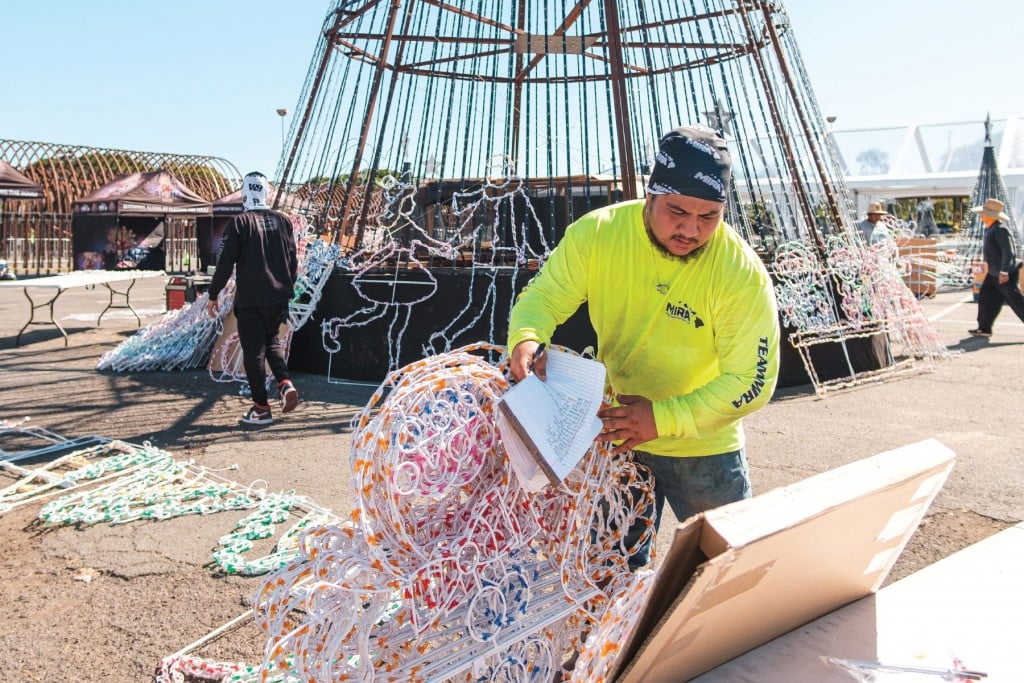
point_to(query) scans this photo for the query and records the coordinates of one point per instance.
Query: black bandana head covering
(254, 191)
(693, 161)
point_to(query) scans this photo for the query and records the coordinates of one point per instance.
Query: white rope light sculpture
(184, 338)
(857, 293)
(450, 571)
(479, 213)
(180, 340)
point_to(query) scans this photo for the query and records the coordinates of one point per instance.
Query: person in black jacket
(1003, 263)
(259, 245)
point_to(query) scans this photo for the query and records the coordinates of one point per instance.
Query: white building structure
(935, 160)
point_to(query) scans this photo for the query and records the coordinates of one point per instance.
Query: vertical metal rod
(826, 181)
(371, 105)
(385, 114)
(307, 112)
(773, 108)
(517, 92)
(623, 129)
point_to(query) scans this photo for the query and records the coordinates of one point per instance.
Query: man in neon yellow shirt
(686, 324)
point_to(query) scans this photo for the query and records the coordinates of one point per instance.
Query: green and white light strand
(163, 490)
(259, 524)
(87, 465)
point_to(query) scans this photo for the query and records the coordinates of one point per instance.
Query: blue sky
(207, 76)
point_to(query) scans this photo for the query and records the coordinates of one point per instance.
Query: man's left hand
(632, 421)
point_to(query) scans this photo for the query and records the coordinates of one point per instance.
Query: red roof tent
(127, 220)
(17, 186)
(157, 193)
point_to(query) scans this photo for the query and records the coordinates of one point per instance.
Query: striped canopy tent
(157, 193)
(14, 186)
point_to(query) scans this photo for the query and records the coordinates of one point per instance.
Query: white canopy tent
(921, 160)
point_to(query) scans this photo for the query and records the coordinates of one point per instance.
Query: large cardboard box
(738, 576)
(979, 269)
(233, 357)
(922, 254)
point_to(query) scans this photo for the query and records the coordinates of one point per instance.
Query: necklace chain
(661, 286)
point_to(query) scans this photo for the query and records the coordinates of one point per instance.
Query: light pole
(282, 113)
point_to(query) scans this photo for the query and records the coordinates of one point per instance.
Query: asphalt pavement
(971, 402)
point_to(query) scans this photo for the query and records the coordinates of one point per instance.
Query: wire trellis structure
(565, 93)
(989, 185)
(70, 172)
(36, 235)
(470, 134)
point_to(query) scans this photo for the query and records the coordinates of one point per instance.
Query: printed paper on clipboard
(548, 426)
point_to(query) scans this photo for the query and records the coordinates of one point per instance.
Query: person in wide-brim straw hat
(867, 226)
(992, 208)
(1002, 260)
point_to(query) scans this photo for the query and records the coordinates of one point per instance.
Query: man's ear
(648, 202)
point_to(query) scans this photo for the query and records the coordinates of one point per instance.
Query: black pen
(536, 355)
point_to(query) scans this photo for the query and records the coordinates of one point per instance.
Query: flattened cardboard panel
(747, 520)
(959, 606)
(729, 588)
(812, 547)
(684, 556)
(230, 328)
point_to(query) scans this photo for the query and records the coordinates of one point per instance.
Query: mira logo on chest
(683, 312)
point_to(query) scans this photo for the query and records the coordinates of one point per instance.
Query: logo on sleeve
(762, 369)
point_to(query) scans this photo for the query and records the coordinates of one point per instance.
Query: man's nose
(687, 226)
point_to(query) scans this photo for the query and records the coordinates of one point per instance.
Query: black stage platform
(363, 351)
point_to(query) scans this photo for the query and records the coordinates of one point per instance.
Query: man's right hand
(522, 361)
(212, 308)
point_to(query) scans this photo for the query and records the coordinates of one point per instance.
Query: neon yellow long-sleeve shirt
(706, 351)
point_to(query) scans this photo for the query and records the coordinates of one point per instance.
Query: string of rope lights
(450, 570)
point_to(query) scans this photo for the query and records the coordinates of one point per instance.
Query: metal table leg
(127, 301)
(32, 315)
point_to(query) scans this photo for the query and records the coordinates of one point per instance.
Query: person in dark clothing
(258, 244)
(1001, 282)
